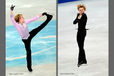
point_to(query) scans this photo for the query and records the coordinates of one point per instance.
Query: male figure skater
(81, 19)
(21, 26)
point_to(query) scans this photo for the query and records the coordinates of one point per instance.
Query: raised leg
(39, 28)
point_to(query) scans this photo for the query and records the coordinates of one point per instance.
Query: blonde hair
(17, 17)
(81, 6)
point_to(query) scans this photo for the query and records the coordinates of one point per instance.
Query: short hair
(17, 17)
(81, 6)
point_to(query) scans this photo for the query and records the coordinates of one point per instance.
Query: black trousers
(27, 42)
(80, 40)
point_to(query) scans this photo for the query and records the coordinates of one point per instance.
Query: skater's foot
(29, 69)
(49, 17)
(81, 63)
(84, 62)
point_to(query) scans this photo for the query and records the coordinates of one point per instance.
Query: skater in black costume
(81, 19)
(21, 26)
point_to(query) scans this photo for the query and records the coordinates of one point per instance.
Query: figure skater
(21, 26)
(81, 19)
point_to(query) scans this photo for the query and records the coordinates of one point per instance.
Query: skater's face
(21, 19)
(81, 10)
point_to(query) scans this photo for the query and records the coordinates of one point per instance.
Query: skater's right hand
(12, 7)
(40, 15)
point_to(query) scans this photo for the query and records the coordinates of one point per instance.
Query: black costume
(81, 37)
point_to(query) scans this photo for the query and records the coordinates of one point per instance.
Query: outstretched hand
(12, 7)
(40, 15)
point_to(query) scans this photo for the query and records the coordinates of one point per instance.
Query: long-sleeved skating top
(81, 22)
(23, 30)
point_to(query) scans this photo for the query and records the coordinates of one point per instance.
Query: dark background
(2, 37)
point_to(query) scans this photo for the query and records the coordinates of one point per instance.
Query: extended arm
(12, 19)
(33, 19)
(12, 16)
